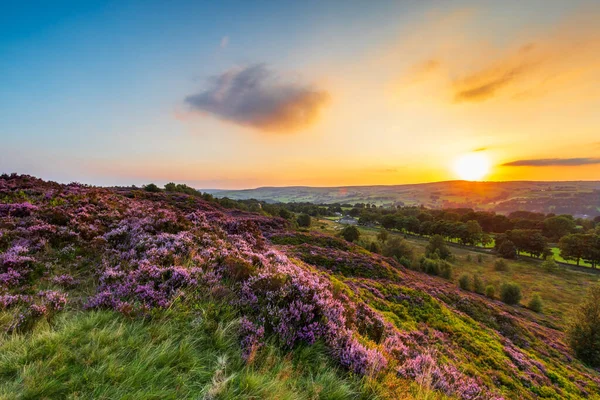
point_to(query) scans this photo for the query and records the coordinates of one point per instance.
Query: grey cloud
(545, 162)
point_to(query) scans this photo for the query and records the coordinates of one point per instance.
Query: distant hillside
(577, 198)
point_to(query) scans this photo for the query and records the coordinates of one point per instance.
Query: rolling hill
(576, 198)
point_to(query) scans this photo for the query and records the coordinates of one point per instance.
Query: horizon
(117, 93)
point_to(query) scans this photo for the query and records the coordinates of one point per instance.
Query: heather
(225, 303)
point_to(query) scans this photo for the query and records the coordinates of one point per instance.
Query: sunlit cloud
(556, 59)
(255, 96)
(546, 162)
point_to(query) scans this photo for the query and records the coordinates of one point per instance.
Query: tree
(464, 282)
(490, 291)
(478, 285)
(151, 187)
(382, 236)
(557, 227)
(351, 233)
(397, 247)
(437, 246)
(510, 293)
(584, 330)
(572, 247)
(170, 187)
(507, 249)
(304, 220)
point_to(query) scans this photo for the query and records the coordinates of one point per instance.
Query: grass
(557, 257)
(175, 355)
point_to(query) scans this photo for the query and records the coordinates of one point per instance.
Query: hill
(576, 198)
(127, 293)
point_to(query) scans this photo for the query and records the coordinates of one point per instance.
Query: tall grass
(174, 355)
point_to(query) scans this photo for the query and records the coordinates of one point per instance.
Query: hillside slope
(107, 293)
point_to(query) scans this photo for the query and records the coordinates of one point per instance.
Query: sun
(472, 167)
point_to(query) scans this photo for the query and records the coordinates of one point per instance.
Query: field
(575, 198)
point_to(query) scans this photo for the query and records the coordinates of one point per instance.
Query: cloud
(558, 59)
(547, 162)
(255, 96)
(224, 42)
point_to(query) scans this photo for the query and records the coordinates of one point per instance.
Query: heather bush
(536, 303)
(464, 282)
(510, 293)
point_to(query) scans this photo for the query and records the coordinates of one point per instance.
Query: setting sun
(472, 167)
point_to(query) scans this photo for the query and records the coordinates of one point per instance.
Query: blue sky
(95, 91)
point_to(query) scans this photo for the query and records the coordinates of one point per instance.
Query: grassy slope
(103, 355)
(192, 349)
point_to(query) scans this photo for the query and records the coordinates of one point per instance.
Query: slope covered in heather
(107, 293)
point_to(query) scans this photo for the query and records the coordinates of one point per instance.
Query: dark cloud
(255, 96)
(480, 149)
(545, 162)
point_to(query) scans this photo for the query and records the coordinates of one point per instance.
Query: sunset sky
(326, 93)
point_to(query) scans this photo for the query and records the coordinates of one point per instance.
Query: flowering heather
(139, 253)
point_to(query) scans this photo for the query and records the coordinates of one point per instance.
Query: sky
(242, 94)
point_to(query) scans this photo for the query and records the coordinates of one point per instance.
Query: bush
(468, 258)
(464, 282)
(501, 265)
(536, 303)
(510, 293)
(479, 258)
(490, 291)
(397, 247)
(350, 233)
(374, 247)
(549, 264)
(446, 270)
(478, 286)
(437, 246)
(429, 266)
(151, 187)
(304, 220)
(584, 330)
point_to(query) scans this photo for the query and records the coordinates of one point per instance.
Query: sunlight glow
(472, 167)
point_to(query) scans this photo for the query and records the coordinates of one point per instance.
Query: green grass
(174, 355)
(557, 257)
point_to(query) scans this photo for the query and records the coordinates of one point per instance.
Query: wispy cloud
(255, 96)
(563, 57)
(546, 162)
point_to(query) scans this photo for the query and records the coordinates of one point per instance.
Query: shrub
(464, 282)
(151, 187)
(478, 286)
(584, 330)
(510, 293)
(501, 265)
(549, 264)
(479, 258)
(446, 270)
(536, 303)
(490, 291)
(429, 266)
(397, 247)
(437, 245)
(468, 258)
(304, 220)
(351, 233)
(374, 247)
